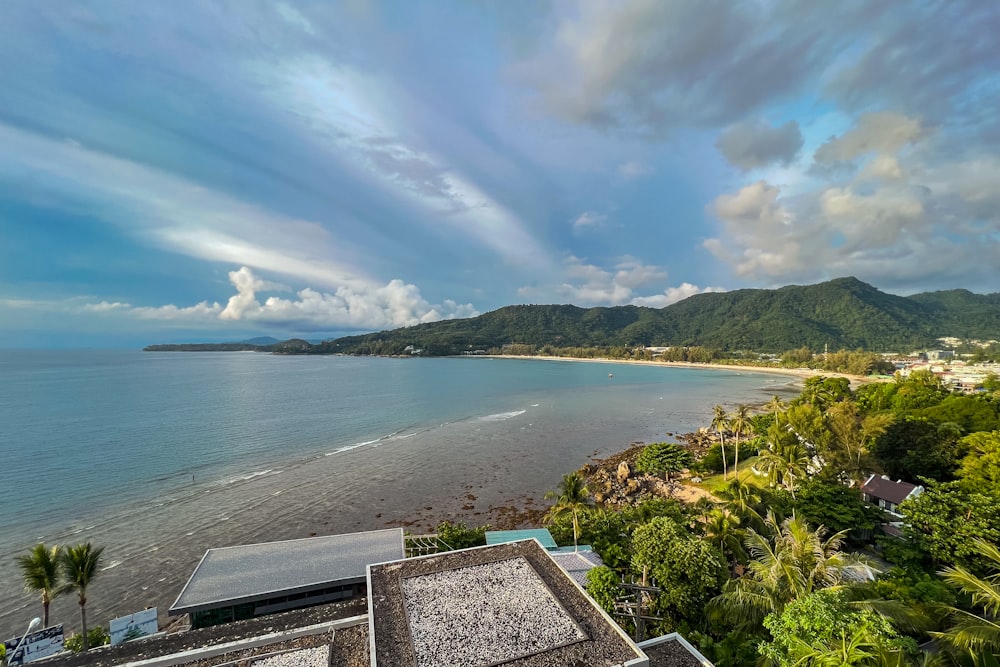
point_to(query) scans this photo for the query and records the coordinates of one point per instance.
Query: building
(577, 563)
(504, 604)
(241, 582)
(543, 536)
(887, 494)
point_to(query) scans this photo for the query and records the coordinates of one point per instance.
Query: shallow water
(160, 456)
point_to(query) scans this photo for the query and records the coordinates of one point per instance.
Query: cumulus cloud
(587, 284)
(756, 143)
(588, 220)
(909, 231)
(880, 132)
(395, 304)
(673, 295)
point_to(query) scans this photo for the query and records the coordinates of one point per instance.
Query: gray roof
(577, 564)
(673, 651)
(886, 489)
(234, 575)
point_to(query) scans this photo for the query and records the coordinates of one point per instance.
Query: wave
(253, 475)
(502, 416)
(347, 448)
(114, 563)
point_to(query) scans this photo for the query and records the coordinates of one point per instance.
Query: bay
(160, 456)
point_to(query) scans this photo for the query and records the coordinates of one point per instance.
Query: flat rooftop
(577, 564)
(543, 536)
(504, 604)
(251, 572)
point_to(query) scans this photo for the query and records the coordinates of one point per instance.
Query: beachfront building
(507, 604)
(241, 582)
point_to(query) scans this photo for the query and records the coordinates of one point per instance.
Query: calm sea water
(159, 456)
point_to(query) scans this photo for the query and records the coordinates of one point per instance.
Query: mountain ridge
(844, 313)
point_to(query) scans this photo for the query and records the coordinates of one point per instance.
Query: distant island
(845, 313)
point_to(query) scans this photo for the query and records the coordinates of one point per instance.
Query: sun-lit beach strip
(801, 373)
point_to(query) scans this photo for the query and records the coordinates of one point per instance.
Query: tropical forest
(779, 558)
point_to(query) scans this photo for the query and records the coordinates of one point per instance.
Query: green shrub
(460, 536)
(95, 636)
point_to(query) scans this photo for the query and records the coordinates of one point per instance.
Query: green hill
(841, 313)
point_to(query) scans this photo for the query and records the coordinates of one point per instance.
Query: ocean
(160, 456)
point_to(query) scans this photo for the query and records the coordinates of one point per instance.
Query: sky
(208, 171)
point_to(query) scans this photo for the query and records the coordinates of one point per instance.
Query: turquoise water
(159, 456)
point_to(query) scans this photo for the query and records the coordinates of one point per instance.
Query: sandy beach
(773, 370)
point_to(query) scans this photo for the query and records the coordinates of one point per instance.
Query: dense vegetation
(780, 567)
(840, 314)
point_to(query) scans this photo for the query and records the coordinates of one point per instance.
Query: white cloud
(395, 304)
(634, 169)
(879, 132)
(589, 220)
(587, 284)
(935, 222)
(105, 306)
(673, 295)
(357, 116)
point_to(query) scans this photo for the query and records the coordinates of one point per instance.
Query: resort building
(241, 582)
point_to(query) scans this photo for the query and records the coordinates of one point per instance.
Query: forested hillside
(841, 314)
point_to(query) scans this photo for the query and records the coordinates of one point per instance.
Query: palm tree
(80, 566)
(571, 497)
(785, 460)
(722, 528)
(793, 564)
(40, 569)
(744, 500)
(740, 423)
(720, 422)
(972, 635)
(776, 405)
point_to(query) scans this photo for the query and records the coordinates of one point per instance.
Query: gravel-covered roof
(504, 604)
(232, 575)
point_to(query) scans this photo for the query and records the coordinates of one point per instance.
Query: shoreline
(800, 373)
(414, 482)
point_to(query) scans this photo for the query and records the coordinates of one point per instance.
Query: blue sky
(216, 170)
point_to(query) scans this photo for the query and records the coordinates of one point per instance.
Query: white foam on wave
(347, 448)
(114, 563)
(502, 416)
(253, 475)
(404, 437)
(535, 405)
